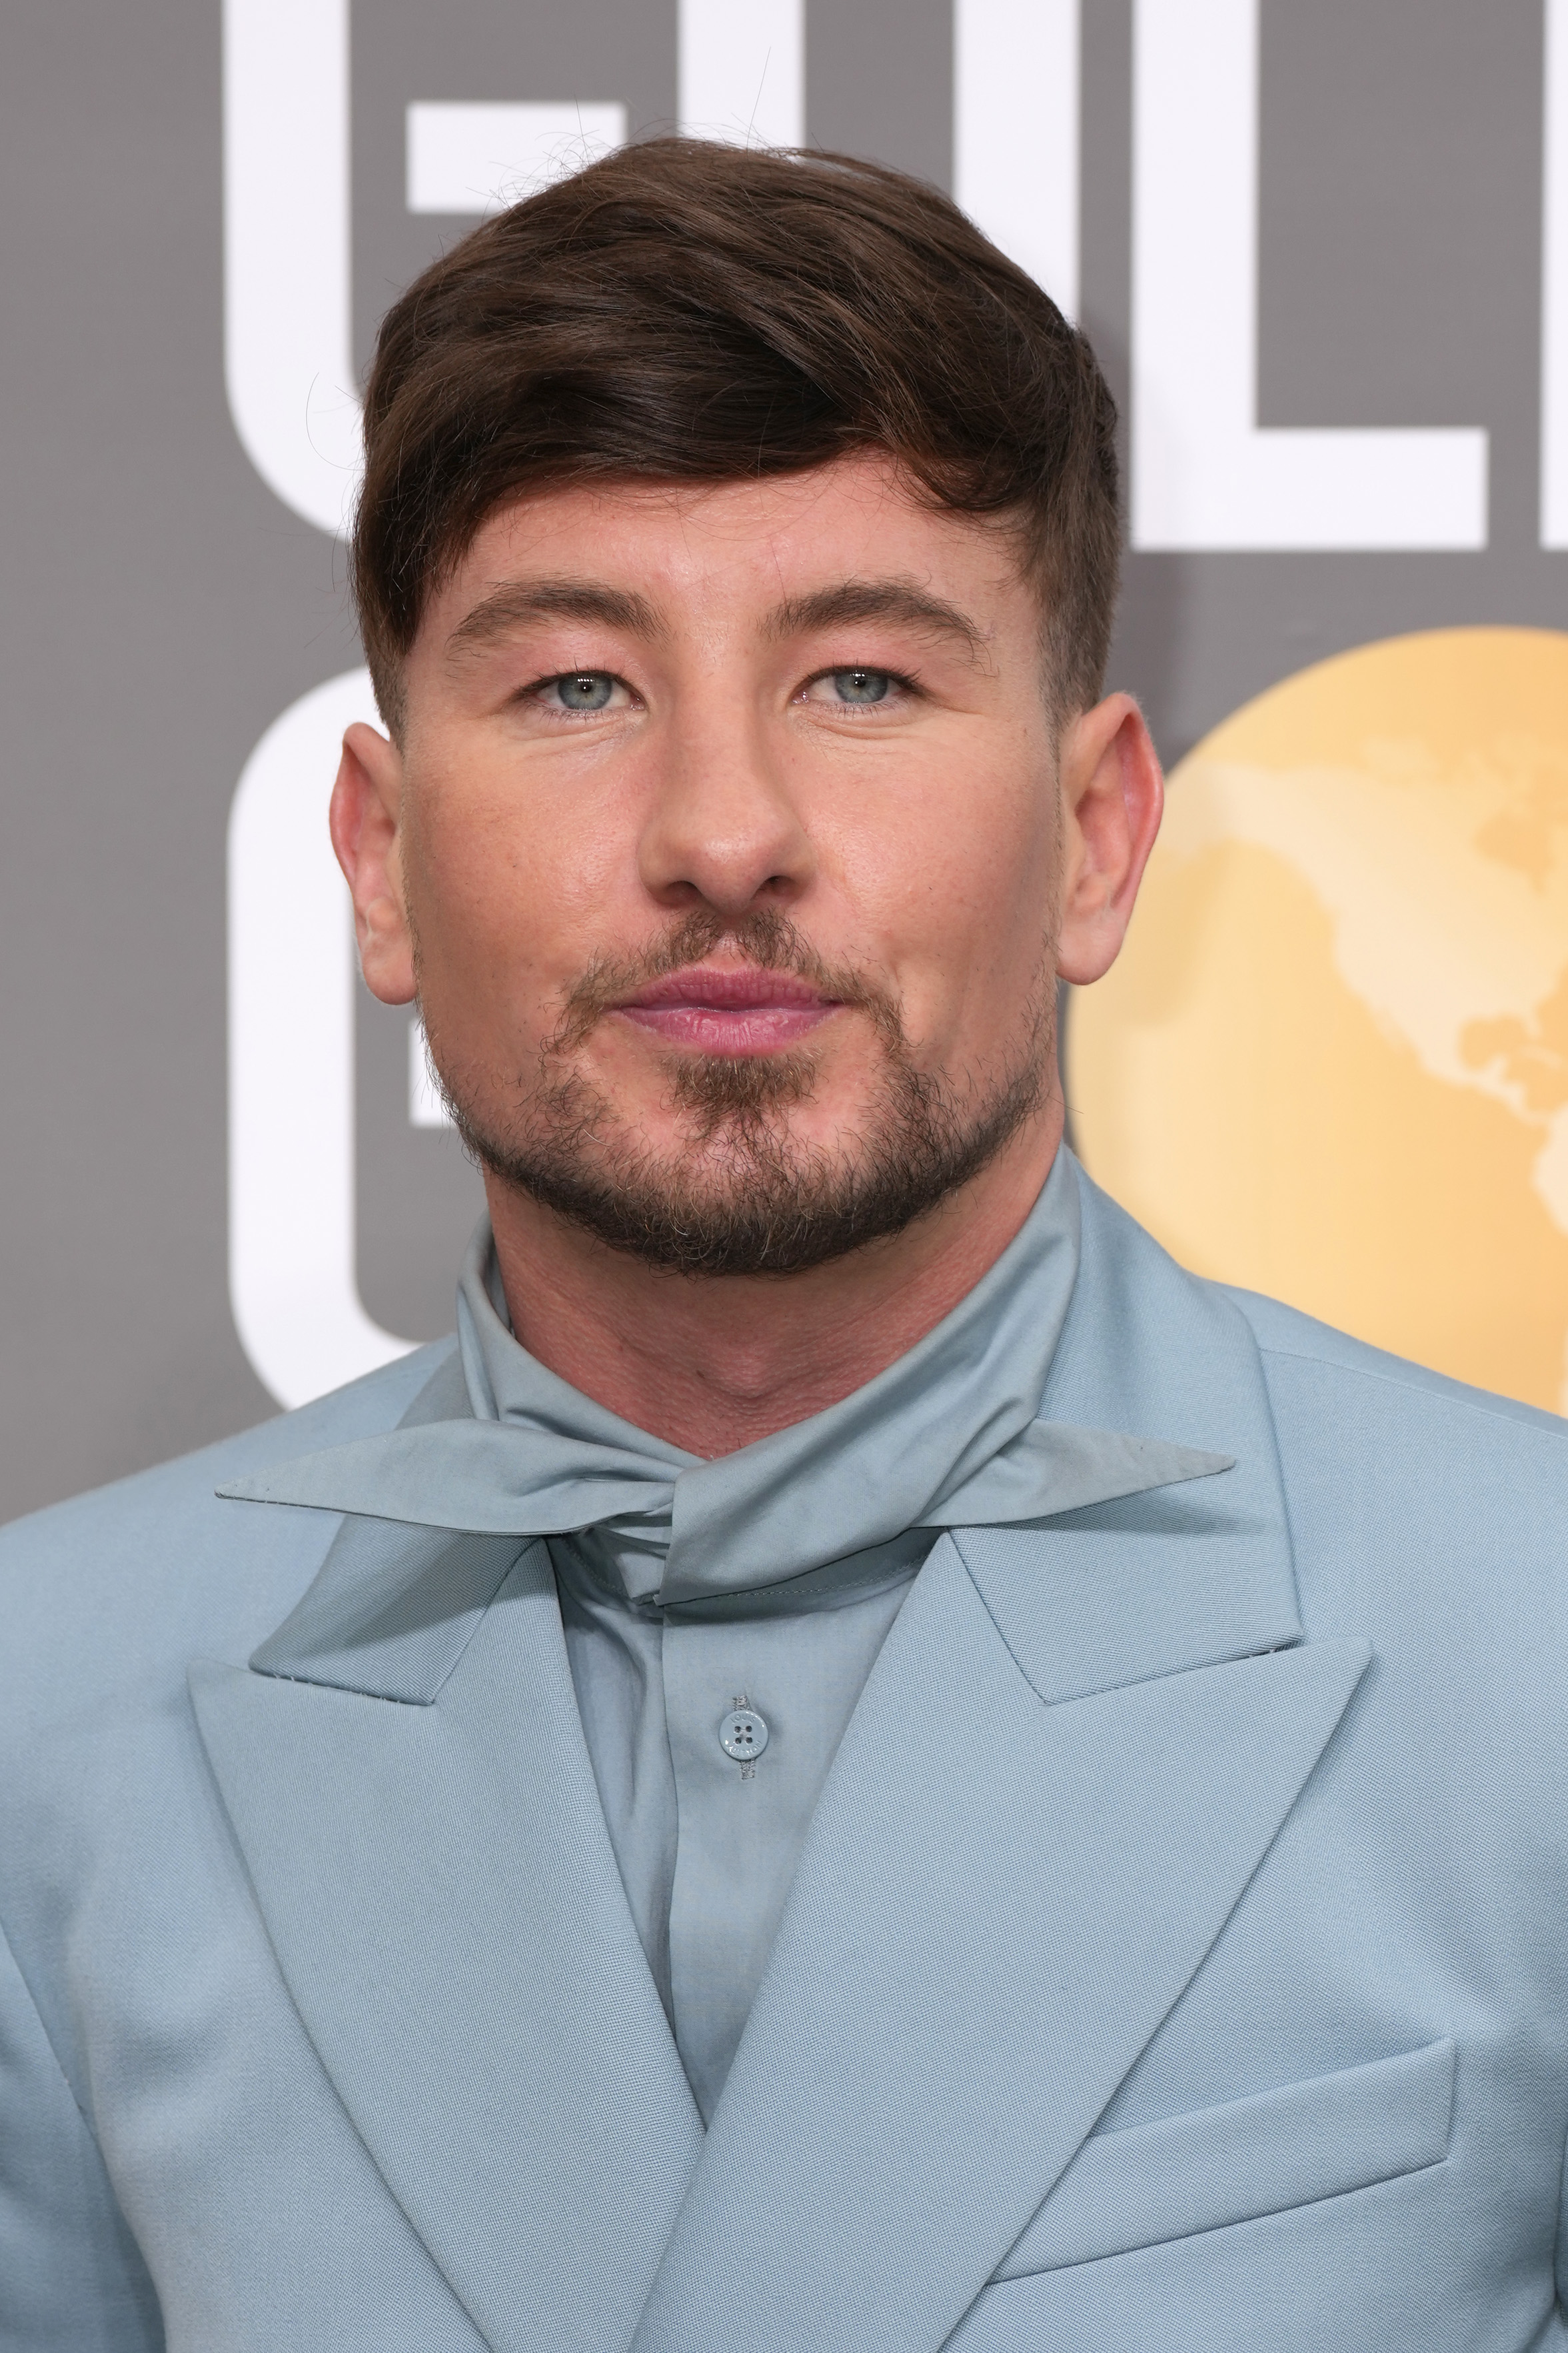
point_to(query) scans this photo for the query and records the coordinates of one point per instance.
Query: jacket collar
(1075, 1748)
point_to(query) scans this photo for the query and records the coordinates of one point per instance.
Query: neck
(714, 1363)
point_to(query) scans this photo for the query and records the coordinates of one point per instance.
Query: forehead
(759, 543)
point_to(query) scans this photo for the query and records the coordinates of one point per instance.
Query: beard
(743, 1195)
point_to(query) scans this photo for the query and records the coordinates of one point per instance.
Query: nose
(724, 829)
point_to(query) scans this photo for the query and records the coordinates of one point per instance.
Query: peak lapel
(1076, 1748)
(1000, 1901)
(439, 1888)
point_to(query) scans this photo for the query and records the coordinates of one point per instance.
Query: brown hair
(687, 312)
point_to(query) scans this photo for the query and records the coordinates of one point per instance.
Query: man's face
(728, 836)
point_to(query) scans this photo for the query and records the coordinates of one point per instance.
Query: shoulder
(158, 1566)
(1414, 1501)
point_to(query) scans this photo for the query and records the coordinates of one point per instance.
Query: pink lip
(741, 1012)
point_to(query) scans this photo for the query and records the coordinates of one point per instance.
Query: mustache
(764, 937)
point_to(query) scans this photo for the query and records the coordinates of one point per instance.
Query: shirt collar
(837, 1483)
(948, 1435)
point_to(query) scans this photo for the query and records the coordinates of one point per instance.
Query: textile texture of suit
(1178, 1958)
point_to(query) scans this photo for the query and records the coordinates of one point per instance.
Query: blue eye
(585, 690)
(861, 685)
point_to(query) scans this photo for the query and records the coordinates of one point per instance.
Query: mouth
(748, 1012)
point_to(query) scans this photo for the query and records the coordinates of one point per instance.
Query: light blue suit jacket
(1179, 1959)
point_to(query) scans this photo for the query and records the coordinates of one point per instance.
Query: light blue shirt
(767, 1577)
(708, 1845)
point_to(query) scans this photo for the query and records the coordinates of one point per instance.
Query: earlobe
(365, 822)
(1112, 799)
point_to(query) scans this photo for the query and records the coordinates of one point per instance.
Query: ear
(1112, 797)
(367, 801)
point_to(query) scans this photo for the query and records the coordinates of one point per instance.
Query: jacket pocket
(1287, 2147)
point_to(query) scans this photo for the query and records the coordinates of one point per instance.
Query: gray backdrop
(160, 607)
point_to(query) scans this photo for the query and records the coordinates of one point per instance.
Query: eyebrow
(518, 602)
(877, 600)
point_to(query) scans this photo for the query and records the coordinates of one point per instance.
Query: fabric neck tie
(947, 1436)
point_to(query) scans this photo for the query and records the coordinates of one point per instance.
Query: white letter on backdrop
(1015, 133)
(475, 157)
(1204, 474)
(287, 335)
(1554, 285)
(742, 70)
(291, 983)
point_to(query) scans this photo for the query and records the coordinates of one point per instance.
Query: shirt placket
(732, 1826)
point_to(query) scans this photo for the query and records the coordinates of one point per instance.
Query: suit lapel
(1072, 1754)
(439, 1888)
(1000, 1901)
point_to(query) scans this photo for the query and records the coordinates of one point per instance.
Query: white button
(744, 1734)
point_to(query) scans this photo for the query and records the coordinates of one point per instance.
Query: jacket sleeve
(71, 2277)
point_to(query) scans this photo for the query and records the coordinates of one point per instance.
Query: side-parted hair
(684, 312)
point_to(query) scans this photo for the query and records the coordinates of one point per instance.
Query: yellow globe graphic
(1331, 1063)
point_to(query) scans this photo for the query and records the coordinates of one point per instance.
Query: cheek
(506, 886)
(957, 889)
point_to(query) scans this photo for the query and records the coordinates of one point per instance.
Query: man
(861, 1762)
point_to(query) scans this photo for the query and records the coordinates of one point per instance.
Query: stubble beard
(744, 1195)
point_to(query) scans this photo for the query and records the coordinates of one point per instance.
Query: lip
(747, 1011)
